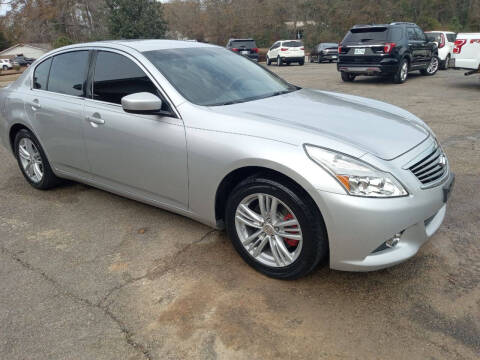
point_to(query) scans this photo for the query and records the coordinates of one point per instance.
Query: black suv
(245, 47)
(394, 49)
(324, 51)
(22, 60)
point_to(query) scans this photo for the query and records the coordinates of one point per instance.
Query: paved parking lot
(85, 274)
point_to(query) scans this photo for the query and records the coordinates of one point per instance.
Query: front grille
(430, 168)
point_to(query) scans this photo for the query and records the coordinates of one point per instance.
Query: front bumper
(358, 227)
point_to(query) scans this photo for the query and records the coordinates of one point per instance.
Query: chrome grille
(430, 168)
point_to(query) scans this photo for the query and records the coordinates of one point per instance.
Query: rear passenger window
(68, 73)
(411, 34)
(40, 77)
(117, 76)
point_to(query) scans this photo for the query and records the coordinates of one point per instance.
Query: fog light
(393, 241)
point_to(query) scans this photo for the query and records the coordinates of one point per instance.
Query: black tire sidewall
(49, 179)
(315, 243)
(397, 77)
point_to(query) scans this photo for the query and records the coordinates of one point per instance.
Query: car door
(274, 50)
(425, 48)
(415, 49)
(143, 155)
(55, 107)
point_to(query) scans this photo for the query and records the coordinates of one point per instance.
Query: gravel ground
(86, 274)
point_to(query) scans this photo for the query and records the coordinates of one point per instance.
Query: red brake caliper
(290, 242)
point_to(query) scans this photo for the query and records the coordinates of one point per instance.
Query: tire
(279, 61)
(432, 68)
(301, 63)
(310, 251)
(401, 75)
(5, 67)
(48, 179)
(268, 61)
(347, 77)
(444, 63)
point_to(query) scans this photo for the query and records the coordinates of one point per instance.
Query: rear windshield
(434, 37)
(248, 44)
(328, 45)
(292, 43)
(366, 35)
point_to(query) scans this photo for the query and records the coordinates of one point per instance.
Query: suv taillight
(340, 49)
(387, 49)
(458, 45)
(302, 48)
(234, 49)
(255, 50)
(442, 41)
(283, 49)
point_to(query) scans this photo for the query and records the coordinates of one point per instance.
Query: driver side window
(411, 34)
(420, 34)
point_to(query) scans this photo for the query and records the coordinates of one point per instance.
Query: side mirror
(142, 103)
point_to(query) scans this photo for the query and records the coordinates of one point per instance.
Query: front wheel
(276, 228)
(32, 161)
(268, 61)
(347, 77)
(432, 67)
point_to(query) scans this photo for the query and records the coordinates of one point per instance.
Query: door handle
(35, 105)
(95, 120)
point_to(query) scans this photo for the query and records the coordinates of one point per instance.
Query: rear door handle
(35, 104)
(95, 120)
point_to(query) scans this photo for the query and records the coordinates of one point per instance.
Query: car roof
(143, 45)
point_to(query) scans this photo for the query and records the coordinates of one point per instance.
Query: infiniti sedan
(298, 177)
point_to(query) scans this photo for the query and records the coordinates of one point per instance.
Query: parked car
(444, 41)
(286, 52)
(200, 131)
(5, 64)
(23, 61)
(466, 53)
(245, 47)
(390, 50)
(324, 52)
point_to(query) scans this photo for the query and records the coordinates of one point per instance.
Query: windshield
(249, 44)
(213, 76)
(365, 35)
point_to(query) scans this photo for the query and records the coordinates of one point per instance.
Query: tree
(139, 19)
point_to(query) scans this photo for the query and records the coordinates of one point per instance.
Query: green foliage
(139, 19)
(62, 41)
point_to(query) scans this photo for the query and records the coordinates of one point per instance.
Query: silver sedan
(296, 176)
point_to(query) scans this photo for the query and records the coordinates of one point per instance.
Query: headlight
(356, 176)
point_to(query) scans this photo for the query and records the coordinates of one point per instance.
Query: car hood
(378, 128)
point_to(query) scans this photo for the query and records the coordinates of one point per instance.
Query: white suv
(445, 40)
(286, 52)
(5, 64)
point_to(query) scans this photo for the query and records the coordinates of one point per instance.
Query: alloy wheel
(31, 160)
(433, 66)
(404, 71)
(268, 230)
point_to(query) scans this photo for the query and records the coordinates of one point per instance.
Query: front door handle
(35, 104)
(95, 120)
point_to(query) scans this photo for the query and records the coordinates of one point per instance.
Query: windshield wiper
(252, 98)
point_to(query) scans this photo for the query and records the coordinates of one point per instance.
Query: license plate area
(244, 52)
(359, 51)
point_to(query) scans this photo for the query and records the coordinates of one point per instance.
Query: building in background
(28, 50)
(298, 27)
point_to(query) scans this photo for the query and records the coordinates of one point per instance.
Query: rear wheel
(432, 67)
(301, 63)
(5, 67)
(347, 77)
(279, 61)
(401, 74)
(276, 228)
(32, 161)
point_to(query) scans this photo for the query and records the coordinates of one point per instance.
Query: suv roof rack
(402, 23)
